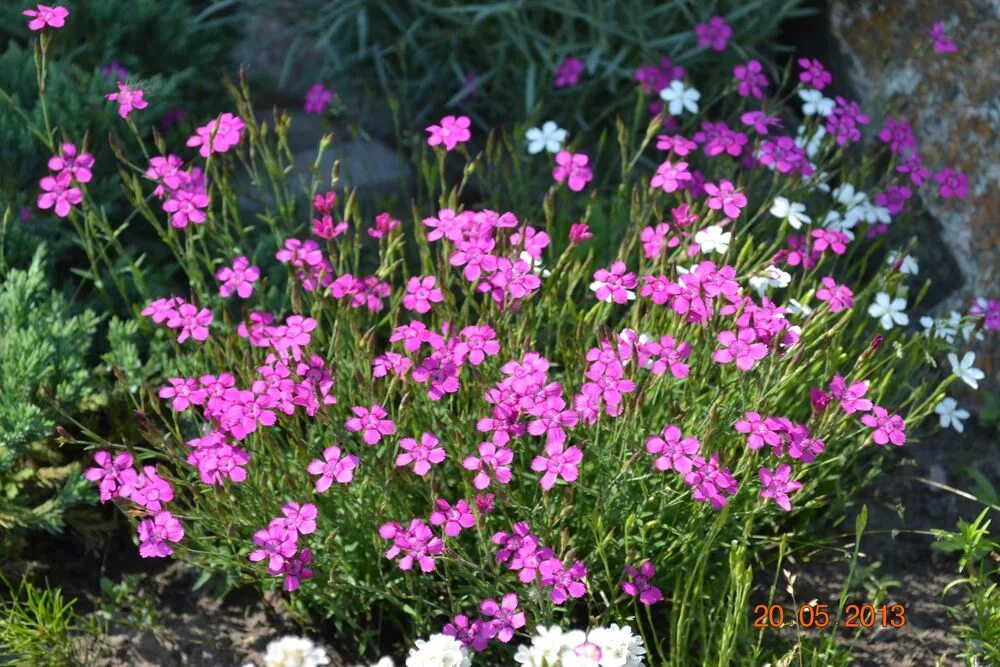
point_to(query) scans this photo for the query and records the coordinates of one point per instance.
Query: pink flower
(68, 162)
(711, 483)
(60, 193)
(759, 430)
(724, 196)
(638, 584)
(714, 33)
(475, 635)
(493, 462)
(295, 570)
(43, 15)
(186, 206)
(579, 232)
(156, 532)
(670, 177)
(506, 617)
(742, 346)
(672, 451)
(317, 98)
(371, 423)
(565, 583)
(324, 228)
(290, 338)
(845, 120)
(418, 543)
(299, 519)
(128, 98)
(888, 428)
(813, 73)
(574, 168)
(420, 454)
(161, 310)
(108, 472)
(185, 392)
(192, 322)
(276, 543)
(557, 462)
(898, 134)
(551, 418)
(751, 79)
(839, 297)
(146, 489)
(614, 284)
(851, 397)
(940, 39)
(453, 517)
(477, 343)
(333, 468)
(218, 135)
(759, 121)
(421, 293)
(950, 184)
(568, 73)
(384, 223)
(451, 132)
(240, 278)
(776, 485)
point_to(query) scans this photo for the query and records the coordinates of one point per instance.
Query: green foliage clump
(43, 363)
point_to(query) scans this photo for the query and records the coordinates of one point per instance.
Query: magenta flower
(614, 284)
(680, 145)
(333, 468)
(579, 232)
(551, 418)
(185, 392)
(384, 223)
(59, 192)
(477, 343)
(453, 517)
(572, 167)
(218, 135)
(128, 98)
(451, 132)
(672, 451)
(845, 121)
(156, 532)
(568, 73)
(417, 543)
(941, 41)
(759, 121)
(557, 462)
(724, 196)
(742, 346)
(186, 206)
(317, 98)
(294, 335)
(715, 33)
(108, 472)
(276, 543)
(146, 488)
(68, 162)
(506, 617)
(667, 353)
(670, 177)
(565, 583)
(989, 310)
(776, 485)
(638, 584)
(421, 293)
(43, 15)
(899, 135)
(839, 297)
(299, 519)
(813, 73)
(951, 183)
(711, 483)
(324, 228)
(475, 635)
(238, 278)
(421, 455)
(192, 322)
(888, 428)
(759, 430)
(851, 397)
(372, 423)
(295, 570)
(751, 79)
(493, 462)
(216, 464)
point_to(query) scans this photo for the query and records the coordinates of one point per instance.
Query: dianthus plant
(547, 401)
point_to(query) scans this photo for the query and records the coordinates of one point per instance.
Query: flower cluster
(61, 188)
(278, 543)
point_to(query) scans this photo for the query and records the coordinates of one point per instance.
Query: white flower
(713, 239)
(438, 651)
(814, 103)
(580, 651)
(908, 264)
(680, 98)
(810, 140)
(384, 662)
(294, 652)
(834, 220)
(791, 212)
(796, 308)
(619, 647)
(965, 370)
(847, 195)
(951, 414)
(546, 648)
(549, 137)
(535, 264)
(772, 276)
(889, 311)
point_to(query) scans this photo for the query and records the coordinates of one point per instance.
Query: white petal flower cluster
(438, 651)
(611, 646)
(295, 652)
